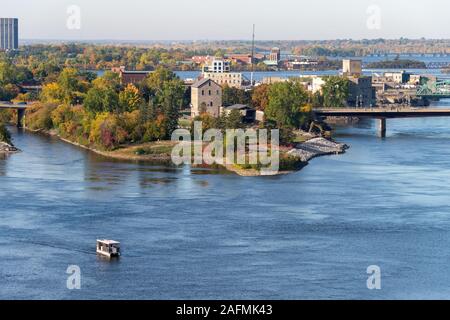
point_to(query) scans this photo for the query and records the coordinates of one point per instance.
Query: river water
(207, 235)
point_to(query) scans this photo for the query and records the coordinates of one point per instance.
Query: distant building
(415, 79)
(217, 65)
(206, 96)
(352, 68)
(361, 92)
(130, 77)
(397, 77)
(248, 114)
(272, 80)
(244, 59)
(201, 60)
(9, 34)
(275, 55)
(231, 79)
(274, 58)
(317, 84)
(272, 64)
(219, 71)
(260, 116)
(298, 64)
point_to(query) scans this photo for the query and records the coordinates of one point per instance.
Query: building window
(209, 92)
(203, 92)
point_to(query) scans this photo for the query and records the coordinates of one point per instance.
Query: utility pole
(253, 56)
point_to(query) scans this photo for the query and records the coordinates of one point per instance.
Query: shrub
(72, 122)
(4, 134)
(129, 122)
(290, 163)
(106, 133)
(39, 117)
(7, 116)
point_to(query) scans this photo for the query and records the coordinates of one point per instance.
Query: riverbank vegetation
(104, 114)
(4, 134)
(397, 64)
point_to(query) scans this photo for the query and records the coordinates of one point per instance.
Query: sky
(229, 20)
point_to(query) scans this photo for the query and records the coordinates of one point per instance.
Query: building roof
(202, 82)
(238, 107)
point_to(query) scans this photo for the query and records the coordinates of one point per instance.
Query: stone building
(206, 96)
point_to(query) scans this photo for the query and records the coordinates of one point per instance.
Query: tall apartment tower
(9, 34)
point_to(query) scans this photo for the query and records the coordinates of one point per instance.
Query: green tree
(234, 120)
(286, 100)
(103, 96)
(102, 100)
(165, 92)
(335, 92)
(153, 85)
(129, 99)
(317, 99)
(231, 96)
(10, 77)
(171, 101)
(9, 92)
(70, 85)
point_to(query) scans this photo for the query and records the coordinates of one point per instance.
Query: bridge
(438, 65)
(435, 90)
(20, 110)
(382, 114)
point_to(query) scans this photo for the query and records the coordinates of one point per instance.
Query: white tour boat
(108, 248)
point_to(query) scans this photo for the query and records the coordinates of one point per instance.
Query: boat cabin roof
(109, 242)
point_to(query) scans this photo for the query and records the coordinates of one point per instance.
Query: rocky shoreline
(317, 147)
(6, 148)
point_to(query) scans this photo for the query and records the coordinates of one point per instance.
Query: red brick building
(130, 77)
(201, 60)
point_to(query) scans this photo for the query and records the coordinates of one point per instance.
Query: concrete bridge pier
(20, 117)
(381, 127)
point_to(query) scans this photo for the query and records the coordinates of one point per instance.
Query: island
(397, 64)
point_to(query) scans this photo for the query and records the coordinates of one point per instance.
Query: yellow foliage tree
(52, 93)
(130, 99)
